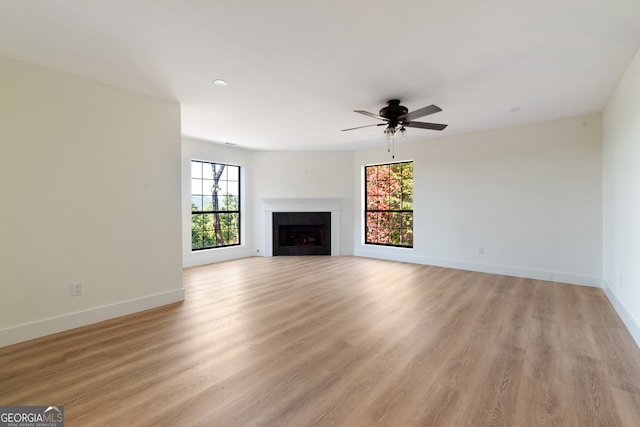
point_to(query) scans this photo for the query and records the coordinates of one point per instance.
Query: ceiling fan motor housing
(392, 111)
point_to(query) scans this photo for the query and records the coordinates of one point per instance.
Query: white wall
(530, 196)
(90, 184)
(193, 149)
(304, 174)
(270, 174)
(621, 177)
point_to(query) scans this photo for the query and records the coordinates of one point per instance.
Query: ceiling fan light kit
(397, 118)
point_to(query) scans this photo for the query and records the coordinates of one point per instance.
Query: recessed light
(516, 109)
(230, 143)
(220, 82)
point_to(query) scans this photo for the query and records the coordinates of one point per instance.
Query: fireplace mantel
(301, 204)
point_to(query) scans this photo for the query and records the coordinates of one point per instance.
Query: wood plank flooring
(341, 341)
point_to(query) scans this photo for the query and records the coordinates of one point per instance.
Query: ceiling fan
(397, 117)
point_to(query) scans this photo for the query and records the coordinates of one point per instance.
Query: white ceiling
(297, 69)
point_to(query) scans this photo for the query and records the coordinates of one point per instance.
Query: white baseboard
(211, 256)
(632, 326)
(52, 325)
(552, 276)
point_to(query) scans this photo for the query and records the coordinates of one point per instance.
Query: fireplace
(301, 233)
(273, 205)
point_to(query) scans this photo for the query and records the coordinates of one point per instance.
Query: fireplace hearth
(301, 233)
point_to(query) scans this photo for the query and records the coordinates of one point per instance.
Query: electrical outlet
(481, 250)
(77, 289)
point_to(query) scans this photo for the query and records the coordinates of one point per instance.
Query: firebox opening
(302, 233)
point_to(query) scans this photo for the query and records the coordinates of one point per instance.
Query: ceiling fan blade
(421, 112)
(365, 126)
(366, 113)
(421, 125)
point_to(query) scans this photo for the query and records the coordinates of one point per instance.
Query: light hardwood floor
(342, 341)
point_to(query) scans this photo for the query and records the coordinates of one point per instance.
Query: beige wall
(304, 174)
(621, 176)
(270, 174)
(193, 149)
(530, 196)
(90, 185)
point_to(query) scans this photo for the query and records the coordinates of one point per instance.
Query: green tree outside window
(215, 205)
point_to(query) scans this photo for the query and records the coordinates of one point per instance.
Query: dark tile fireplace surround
(301, 233)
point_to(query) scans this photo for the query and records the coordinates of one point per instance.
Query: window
(215, 205)
(389, 204)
